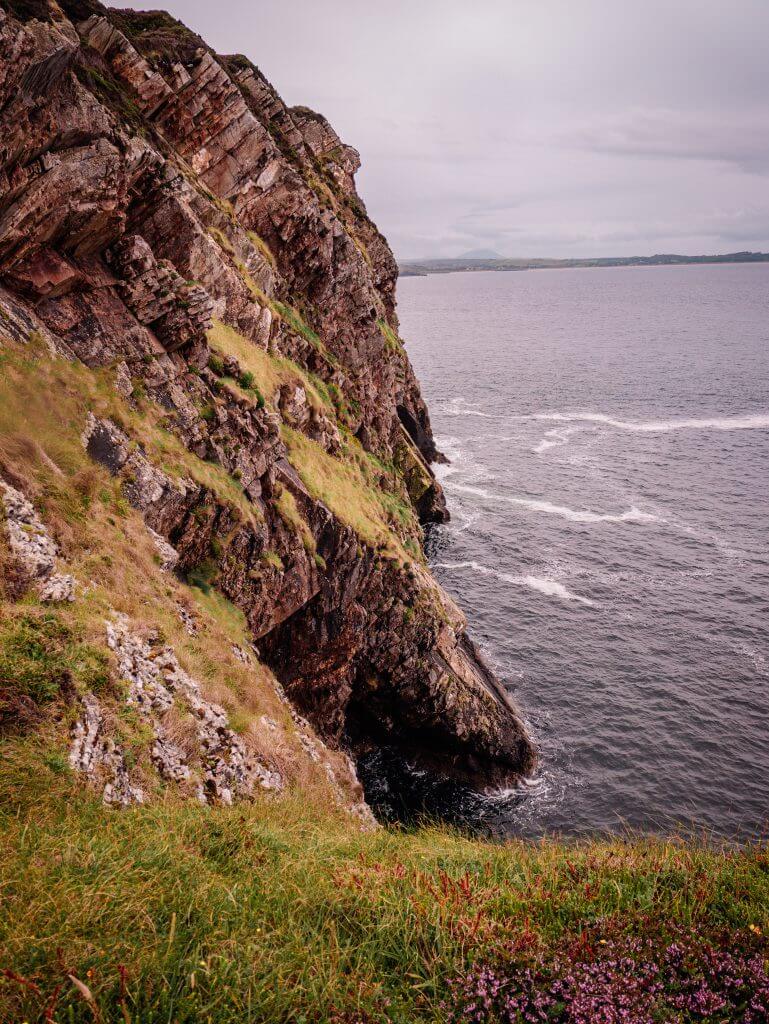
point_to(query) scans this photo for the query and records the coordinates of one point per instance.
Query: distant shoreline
(423, 268)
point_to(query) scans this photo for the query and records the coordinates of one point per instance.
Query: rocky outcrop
(177, 311)
(158, 687)
(95, 755)
(149, 186)
(33, 548)
(207, 759)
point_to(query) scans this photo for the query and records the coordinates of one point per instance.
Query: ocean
(608, 438)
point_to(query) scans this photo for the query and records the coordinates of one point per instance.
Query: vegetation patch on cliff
(380, 518)
(263, 248)
(30, 422)
(49, 657)
(269, 371)
(293, 318)
(41, 655)
(392, 340)
(286, 505)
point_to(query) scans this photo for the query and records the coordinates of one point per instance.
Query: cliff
(214, 601)
(214, 454)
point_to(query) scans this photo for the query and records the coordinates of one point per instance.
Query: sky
(558, 128)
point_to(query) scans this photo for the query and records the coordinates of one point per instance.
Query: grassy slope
(277, 912)
(105, 544)
(351, 484)
(269, 371)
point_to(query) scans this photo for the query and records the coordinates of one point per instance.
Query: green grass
(221, 239)
(223, 242)
(277, 912)
(263, 248)
(392, 341)
(296, 323)
(257, 293)
(273, 559)
(40, 652)
(290, 316)
(267, 371)
(294, 320)
(285, 503)
(29, 421)
(381, 519)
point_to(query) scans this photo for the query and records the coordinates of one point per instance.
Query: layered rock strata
(150, 188)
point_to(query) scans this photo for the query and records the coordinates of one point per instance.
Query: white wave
(752, 654)
(758, 421)
(548, 587)
(544, 445)
(460, 461)
(532, 787)
(555, 438)
(450, 446)
(552, 588)
(632, 515)
(722, 544)
(458, 407)
(468, 520)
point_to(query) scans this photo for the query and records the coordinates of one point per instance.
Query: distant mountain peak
(480, 254)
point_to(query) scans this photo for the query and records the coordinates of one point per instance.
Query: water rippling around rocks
(608, 437)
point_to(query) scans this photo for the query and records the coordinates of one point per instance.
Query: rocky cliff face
(169, 223)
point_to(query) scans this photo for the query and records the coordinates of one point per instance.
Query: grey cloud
(738, 138)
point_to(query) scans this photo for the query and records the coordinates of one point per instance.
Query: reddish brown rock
(146, 185)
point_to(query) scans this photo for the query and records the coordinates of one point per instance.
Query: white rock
(94, 754)
(169, 556)
(28, 537)
(57, 588)
(157, 682)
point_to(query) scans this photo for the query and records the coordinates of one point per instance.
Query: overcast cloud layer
(531, 127)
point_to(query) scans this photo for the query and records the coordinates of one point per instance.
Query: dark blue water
(608, 432)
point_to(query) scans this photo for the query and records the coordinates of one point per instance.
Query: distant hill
(420, 268)
(480, 254)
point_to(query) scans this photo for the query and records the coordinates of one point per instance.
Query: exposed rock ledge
(148, 185)
(33, 547)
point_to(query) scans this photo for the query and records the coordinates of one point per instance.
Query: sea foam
(757, 421)
(548, 587)
(632, 515)
(458, 406)
(556, 438)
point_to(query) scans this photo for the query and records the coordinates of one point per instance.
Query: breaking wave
(548, 587)
(632, 515)
(459, 407)
(556, 438)
(758, 421)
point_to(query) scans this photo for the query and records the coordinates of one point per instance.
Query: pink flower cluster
(688, 981)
